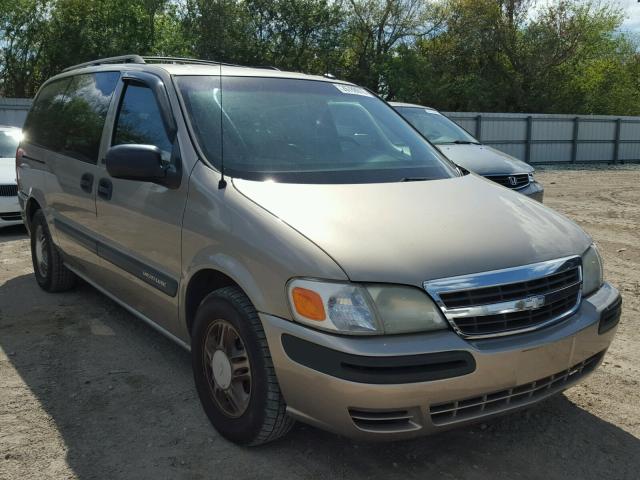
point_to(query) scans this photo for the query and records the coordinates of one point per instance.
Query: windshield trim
(230, 172)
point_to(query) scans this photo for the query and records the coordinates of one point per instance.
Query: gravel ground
(87, 391)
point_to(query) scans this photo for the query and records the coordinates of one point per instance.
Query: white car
(9, 207)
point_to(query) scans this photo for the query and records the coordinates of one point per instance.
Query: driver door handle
(105, 188)
(86, 182)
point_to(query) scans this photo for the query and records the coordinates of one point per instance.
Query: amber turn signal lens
(308, 303)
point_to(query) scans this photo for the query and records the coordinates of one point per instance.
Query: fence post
(527, 152)
(479, 127)
(616, 145)
(574, 145)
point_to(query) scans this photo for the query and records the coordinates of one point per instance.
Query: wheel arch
(31, 207)
(201, 284)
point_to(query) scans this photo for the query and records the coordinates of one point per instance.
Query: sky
(632, 23)
(632, 8)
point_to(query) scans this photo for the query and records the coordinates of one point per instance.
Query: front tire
(233, 371)
(48, 267)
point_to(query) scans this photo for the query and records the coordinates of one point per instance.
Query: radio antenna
(222, 183)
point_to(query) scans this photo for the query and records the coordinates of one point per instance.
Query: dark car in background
(466, 151)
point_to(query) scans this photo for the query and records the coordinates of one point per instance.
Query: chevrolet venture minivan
(319, 258)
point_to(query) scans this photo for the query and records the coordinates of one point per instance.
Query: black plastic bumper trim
(423, 367)
(610, 316)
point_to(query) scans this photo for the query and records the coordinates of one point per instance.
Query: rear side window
(43, 125)
(69, 114)
(140, 122)
(87, 103)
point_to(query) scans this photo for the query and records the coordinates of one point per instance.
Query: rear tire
(48, 267)
(233, 371)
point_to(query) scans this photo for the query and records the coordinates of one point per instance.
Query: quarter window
(140, 122)
(69, 114)
(43, 125)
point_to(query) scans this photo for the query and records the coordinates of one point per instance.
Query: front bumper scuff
(501, 364)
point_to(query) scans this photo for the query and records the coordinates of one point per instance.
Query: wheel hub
(42, 258)
(221, 368)
(227, 368)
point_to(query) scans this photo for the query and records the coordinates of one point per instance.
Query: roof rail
(185, 61)
(153, 59)
(102, 61)
(197, 61)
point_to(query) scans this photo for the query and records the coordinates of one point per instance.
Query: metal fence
(541, 138)
(534, 138)
(13, 111)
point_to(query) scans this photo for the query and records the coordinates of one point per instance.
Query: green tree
(23, 30)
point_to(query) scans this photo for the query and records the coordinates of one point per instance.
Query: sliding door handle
(105, 188)
(86, 182)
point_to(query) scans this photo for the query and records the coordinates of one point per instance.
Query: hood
(415, 231)
(7, 171)
(484, 160)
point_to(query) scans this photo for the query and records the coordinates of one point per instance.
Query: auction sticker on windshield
(352, 90)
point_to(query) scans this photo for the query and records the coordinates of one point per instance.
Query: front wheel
(233, 371)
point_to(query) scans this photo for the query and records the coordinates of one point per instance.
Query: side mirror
(136, 162)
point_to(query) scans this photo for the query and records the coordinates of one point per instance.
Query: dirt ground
(87, 391)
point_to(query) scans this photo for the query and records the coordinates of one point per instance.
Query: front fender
(225, 231)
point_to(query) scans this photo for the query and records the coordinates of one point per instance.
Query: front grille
(8, 190)
(514, 291)
(487, 404)
(509, 301)
(515, 181)
(563, 301)
(10, 217)
(384, 421)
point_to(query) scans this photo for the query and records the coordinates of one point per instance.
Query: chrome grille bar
(512, 300)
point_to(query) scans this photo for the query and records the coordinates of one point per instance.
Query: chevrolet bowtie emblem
(532, 303)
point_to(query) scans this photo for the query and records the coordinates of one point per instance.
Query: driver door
(140, 222)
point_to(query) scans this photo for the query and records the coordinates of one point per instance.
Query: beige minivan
(319, 258)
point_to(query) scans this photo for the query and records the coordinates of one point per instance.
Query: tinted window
(305, 131)
(43, 124)
(9, 143)
(140, 122)
(435, 126)
(68, 114)
(85, 111)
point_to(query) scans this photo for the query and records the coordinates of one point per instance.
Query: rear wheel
(48, 267)
(233, 371)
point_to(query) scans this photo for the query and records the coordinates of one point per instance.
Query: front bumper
(384, 410)
(533, 190)
(9, 211)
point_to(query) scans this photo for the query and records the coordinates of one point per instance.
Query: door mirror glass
(136, 162)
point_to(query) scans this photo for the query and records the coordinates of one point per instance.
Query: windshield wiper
(414, 179)
(458, 142)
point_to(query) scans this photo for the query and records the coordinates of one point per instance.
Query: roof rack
(102, 61)
(186, 61)
(153, 59)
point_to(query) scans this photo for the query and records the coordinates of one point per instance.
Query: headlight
(530, 177)
(363, 309)
(591, 271)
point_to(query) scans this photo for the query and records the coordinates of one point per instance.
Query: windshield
(435, 126)
(9, 140)
(305, 131)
